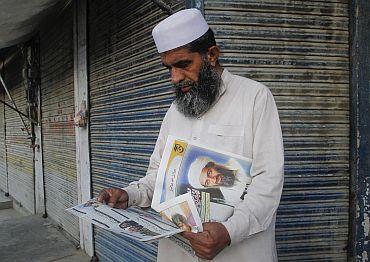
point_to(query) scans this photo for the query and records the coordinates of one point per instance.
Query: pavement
(25, 237)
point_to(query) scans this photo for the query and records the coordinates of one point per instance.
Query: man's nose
(176, 75)
(214, 181)
(213, 178)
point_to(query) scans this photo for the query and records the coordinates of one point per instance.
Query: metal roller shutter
(57, 105)
(3, 169)
(19, 153)
(300, 50)
(129, 95)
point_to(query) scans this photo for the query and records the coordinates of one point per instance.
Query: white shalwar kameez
(244, 120)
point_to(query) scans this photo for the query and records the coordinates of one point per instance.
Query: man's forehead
(203, 174)
(178, 54)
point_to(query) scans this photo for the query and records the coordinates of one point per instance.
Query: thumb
(113, 199)
(189, 235)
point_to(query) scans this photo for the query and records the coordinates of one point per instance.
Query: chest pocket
(227, 137)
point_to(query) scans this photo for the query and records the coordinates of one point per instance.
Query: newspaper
(195, 184)
(216, 180)
(182, 212)
(139, 224)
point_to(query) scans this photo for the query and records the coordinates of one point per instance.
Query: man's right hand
(114, 197)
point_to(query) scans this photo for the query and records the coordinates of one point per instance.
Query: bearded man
(222, 111)
(230, 178)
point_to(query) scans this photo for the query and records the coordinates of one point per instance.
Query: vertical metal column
(81, 94)
(360, 135)
(3, 160)
(38, 149)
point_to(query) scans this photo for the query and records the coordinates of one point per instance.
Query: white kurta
(243, 121)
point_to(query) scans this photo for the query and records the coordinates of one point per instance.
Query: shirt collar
(225, 79)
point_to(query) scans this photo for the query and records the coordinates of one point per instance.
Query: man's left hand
(210, 242)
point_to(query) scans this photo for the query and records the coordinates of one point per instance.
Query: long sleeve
(140, 192)
(256, 212)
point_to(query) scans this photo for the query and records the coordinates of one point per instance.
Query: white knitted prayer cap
(179, 29)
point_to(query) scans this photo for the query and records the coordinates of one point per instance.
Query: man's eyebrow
(180, 63)
(167, 66)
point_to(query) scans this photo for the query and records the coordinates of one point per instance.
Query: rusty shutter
(129, 95)
(3, 169)
(58, 134)
(300, 50)
(21, 183)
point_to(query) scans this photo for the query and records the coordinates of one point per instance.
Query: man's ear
(213, 54)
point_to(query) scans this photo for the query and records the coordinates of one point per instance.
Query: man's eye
(183, 65)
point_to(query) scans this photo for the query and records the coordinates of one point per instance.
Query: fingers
(201, 248)
(203, 253)
(210, 242)
(189, 235)
(114, 197)
(196, 239)
(121, 204)
(104, 195)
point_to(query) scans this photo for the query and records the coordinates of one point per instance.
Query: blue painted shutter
(299, 49)
(129, 95)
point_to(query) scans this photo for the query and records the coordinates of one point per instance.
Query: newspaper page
(183, 213)
(216, 180)
(133, 222)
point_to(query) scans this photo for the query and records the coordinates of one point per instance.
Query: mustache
(184, 83)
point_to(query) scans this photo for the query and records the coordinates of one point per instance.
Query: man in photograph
(181, 222)
(231, 178)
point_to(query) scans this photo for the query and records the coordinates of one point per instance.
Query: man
(181, 222)
(231, 178)
(225, 112)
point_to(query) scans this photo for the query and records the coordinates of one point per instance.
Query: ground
(25, 237)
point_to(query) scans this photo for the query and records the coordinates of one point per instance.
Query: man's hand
(210, 242)
(114, 197)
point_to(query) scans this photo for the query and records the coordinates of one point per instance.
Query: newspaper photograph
(216, 180)
(133, 222)
(183, 213)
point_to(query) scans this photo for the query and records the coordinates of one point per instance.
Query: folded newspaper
(139, 224)
(217, 180)
(195, 184)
